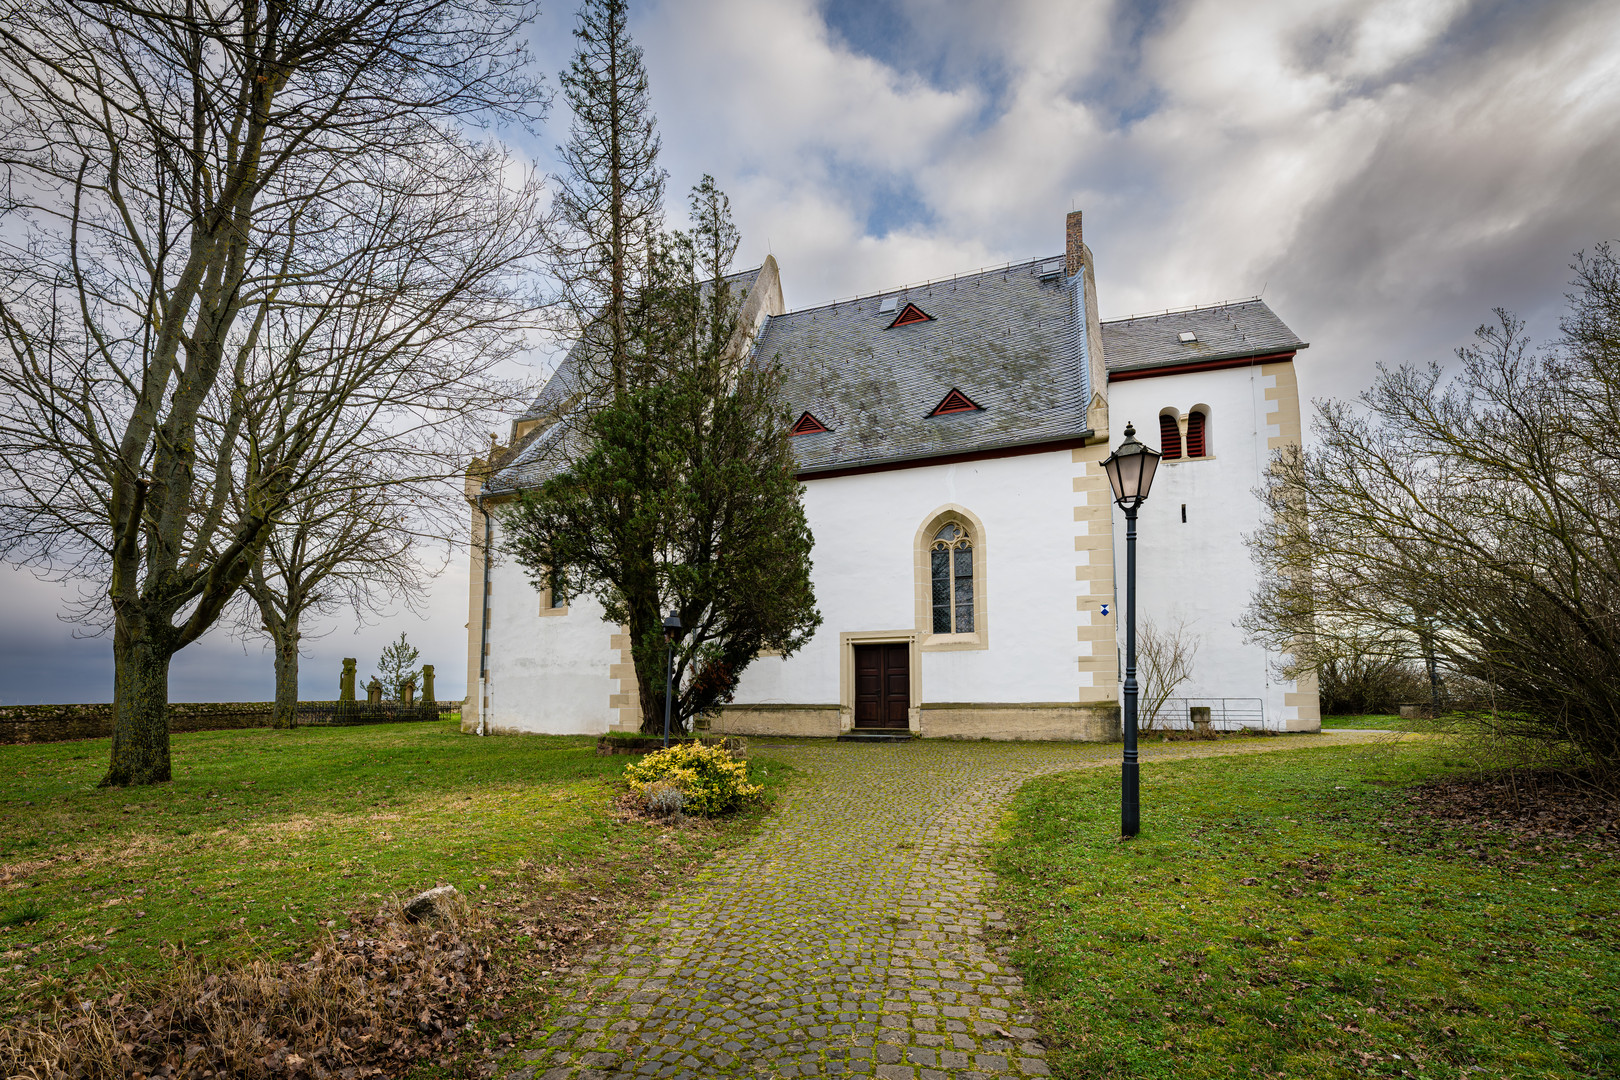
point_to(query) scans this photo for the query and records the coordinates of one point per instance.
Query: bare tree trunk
(285, 713)
(647, 650)
(140, 748)
(167, 167)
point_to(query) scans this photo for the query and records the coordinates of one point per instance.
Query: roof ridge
(982, 271)
(1184, 310)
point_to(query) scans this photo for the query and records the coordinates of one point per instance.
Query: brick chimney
(1072, 245)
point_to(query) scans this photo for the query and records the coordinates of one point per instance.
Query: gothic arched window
(951, 558)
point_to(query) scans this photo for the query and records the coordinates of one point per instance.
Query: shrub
(709, 779)
(663, 798)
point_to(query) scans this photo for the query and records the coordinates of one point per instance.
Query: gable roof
(564, 384)
(1223, 332)
(1009, 339)
(545, 450)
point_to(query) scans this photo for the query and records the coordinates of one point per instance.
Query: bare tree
(417, 351)
(338, 548)
(185, 179)
(1474, 518)
(1164, 657)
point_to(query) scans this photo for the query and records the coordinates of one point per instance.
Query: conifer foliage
(680, 493)
(610, 194)
(685, 499)
(396, 668)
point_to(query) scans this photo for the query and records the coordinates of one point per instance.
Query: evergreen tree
(685, 499)
(396, 668)
(610, 197)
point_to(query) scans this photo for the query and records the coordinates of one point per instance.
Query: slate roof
(1225, 332)
(536, 458)
(544, 451)
(1009, 339)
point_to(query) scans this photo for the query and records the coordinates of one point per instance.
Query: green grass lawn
(1365, 942)
(1361, 723)
(264, 836)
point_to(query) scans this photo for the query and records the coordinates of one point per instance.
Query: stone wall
(801, 720)
(1038, 720)
(59, 723)
(945, 720)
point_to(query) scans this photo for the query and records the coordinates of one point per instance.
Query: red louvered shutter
(808, 425)
(1195, 434)
(909, 314)
(954, 402)
(1169, 437)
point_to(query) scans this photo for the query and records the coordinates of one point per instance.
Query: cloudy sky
(1383, 173)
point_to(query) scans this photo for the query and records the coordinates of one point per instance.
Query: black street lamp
(672, 630)
(1130, 473)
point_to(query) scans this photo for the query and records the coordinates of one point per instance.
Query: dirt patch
(1540, 805)
(365, 1001)
(373, 1000)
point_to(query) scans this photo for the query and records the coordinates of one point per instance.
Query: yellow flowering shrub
(710, 780)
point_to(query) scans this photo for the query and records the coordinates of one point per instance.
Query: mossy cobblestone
(847, 938)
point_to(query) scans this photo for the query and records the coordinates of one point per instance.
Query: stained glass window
(951, 561)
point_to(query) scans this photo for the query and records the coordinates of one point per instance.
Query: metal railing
(346, 714)
(1225, 714)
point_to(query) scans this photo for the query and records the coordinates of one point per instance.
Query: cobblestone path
(845, 939)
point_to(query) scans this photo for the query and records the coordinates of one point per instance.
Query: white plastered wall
(548, 674)
(865, 528)
(1200, 570)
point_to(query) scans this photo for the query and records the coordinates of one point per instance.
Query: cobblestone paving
(845, 939)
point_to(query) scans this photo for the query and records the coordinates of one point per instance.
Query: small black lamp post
(672, 630)
(1130, 473)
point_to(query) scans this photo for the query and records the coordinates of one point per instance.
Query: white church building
(968, 559)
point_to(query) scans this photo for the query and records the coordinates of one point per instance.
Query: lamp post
(1130, 473)
(672, 630)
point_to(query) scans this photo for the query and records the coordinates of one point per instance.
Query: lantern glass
(1130, 470)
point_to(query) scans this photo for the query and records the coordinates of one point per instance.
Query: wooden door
(883, 686)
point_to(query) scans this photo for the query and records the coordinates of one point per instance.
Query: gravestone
(374, 692)
(427, 685)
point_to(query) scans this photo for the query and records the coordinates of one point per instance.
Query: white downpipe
(484, 689)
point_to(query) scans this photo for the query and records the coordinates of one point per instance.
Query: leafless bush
(1357, 680)
(1164, 660)
(1471, 516)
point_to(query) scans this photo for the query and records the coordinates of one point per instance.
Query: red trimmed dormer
(955, 402)
(808, 425)
(909, 314)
